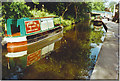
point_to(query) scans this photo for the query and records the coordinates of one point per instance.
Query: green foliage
(40, 13)
(111, 5)
(66, 22)
(95, 37)
(35, 1)
(98, 6)
(73, 12)
(66, 9)
(15, 10)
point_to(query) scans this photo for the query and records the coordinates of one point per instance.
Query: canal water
(72, 56)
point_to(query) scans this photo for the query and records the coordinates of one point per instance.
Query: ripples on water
(74, 56)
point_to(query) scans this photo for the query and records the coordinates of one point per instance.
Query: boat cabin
(30, 26)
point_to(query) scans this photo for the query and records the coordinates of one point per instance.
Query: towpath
(107, 64)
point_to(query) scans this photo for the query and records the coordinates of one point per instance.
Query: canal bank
(107, 64)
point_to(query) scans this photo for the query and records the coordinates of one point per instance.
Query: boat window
(50, 24)
(44, 25)
(15, 29)
(47, 23)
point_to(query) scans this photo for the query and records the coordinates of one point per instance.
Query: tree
(67, 10)
(111, 5)
(98, 6)
(15, 10)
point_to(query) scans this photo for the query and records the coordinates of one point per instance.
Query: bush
(15, 10)
(66, 22)
(39, 13)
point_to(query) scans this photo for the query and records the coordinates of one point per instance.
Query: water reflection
(35, 52)
(73, 57)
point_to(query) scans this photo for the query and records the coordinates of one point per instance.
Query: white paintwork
(47, 23)
(44, 25)
(48, 49)
(44, 50)
(50, 24)
(15, 39)
(16, 54)
(51, 47)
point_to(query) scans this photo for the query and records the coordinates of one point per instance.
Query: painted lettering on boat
(32, 26)
(33, 57)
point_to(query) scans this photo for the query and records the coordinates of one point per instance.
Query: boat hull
(16, 47)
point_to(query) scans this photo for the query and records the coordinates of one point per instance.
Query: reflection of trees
(71, 51)
(71, 60)
(73, 54)
(95, 37)
(88, 35)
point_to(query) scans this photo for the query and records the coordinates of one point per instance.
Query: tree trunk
(65, 10)
(75, 11)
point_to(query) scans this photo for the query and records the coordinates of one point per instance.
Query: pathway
(107, 64)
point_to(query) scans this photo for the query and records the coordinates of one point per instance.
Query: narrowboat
(24, 32)
(98, 20)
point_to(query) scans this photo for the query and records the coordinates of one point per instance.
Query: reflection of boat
(98, 21)
(42, 49)
(22, 33)
(98, 28)
(35, 52)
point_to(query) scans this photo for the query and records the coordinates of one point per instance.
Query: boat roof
(37, 17)
(44, 17)
(20, 23)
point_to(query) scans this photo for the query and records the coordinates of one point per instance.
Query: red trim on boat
(17, 46)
